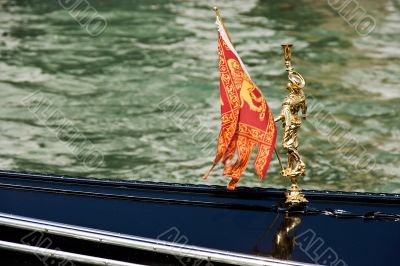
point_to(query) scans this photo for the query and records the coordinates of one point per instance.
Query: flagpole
(279, 158)
(216, 10)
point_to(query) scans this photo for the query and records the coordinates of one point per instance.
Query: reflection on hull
(284, 240)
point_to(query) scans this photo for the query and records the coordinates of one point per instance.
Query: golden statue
(291, 122)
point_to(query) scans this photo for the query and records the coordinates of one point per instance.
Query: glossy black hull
(335, 228)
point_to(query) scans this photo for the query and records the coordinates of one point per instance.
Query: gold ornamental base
(294, 195)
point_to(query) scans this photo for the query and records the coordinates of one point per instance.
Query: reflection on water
(109, 87)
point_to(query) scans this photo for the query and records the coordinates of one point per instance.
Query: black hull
(335, 227)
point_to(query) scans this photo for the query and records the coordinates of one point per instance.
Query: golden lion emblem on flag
(247, 89)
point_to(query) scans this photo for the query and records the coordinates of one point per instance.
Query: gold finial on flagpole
(218, 14)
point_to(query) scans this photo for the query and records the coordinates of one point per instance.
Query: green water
(108, 89)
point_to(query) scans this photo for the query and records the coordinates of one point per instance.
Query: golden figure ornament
(293, 103)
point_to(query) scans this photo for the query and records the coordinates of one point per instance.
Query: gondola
(60, 220)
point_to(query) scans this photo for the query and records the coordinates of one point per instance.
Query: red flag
(246, 120)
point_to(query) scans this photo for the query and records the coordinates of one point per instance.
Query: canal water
(134, 93)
